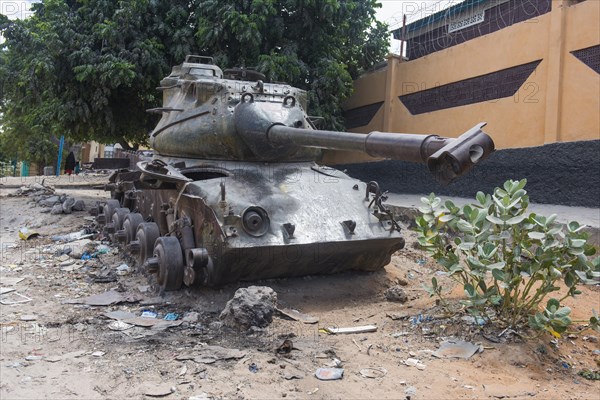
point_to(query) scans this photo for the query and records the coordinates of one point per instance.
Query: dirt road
(51, 349)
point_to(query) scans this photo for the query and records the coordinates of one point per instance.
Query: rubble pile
(51, 202)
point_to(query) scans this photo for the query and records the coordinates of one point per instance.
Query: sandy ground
(68, 351)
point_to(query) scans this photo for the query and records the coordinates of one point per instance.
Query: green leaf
(481, 198)
(515, 220)
(494, 220)
(536, 235)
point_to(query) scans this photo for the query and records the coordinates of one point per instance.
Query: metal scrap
(298, 316)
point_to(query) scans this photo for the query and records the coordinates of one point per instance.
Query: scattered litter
(9, 281)
(414, 362)
(52, 359)
(399, 334)
(397, 316)
(210, 354)
(107, 298)
(474, 320)
(286, 347)
(119, 326)
(329, 374)
(183, 370)
(335, 363)
(201, 396)
(298, 316)
(70, 237)
(416, 320)
(591, 339)
(98, 354)
(421, 262)
(190, 317)
(469, 387)
(33, 358)
(160, 391)
(13, 298)
(26, 234)
(292, 375)
(355, 329)
(4, 290)
(455, 348)
(310, 392)
(253, 368)
(29, 317)
(119, 315)
(373, 373)
(123, 269)
(171, 317)
(149, 314)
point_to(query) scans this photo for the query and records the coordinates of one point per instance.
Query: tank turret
(235, 191)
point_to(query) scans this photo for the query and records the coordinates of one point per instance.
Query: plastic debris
(329, 374)
(171, 317)
(160, 391)
(455, 348)
(414, 362)
(98, 354)
(123, 269)
(474, 320)
(355, 329)
(14, 298)
(26, 234)
(149, 314)
(253, 368)
(373, 373)
(119, 326)
(82, 234)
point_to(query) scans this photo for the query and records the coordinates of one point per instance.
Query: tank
(235, 190)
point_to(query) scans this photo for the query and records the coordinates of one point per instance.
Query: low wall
(559, 173)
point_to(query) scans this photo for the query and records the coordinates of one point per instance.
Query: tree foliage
(88, 69)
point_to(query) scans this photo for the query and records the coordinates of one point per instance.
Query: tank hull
(320, 203)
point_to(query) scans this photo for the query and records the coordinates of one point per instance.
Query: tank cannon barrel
(271, 128)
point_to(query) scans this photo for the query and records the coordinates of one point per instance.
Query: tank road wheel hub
(169, 256)
(109, 208)
(146, 235)
(130, 225)
(116, 224)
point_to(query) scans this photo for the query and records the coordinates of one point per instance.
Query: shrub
(506, 258)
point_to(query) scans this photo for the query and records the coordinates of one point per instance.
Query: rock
(67, 205)
(402, 282)
(45, 210)
(50, 201)
(396, 294)
(252, 306)
(79, 205)
(57, 209)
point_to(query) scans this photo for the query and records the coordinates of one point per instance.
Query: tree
(88, 69)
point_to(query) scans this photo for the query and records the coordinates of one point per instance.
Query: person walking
(70, 163)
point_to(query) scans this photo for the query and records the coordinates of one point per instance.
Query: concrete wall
(558, 102)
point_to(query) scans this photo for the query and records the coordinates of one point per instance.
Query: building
(529, 68)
